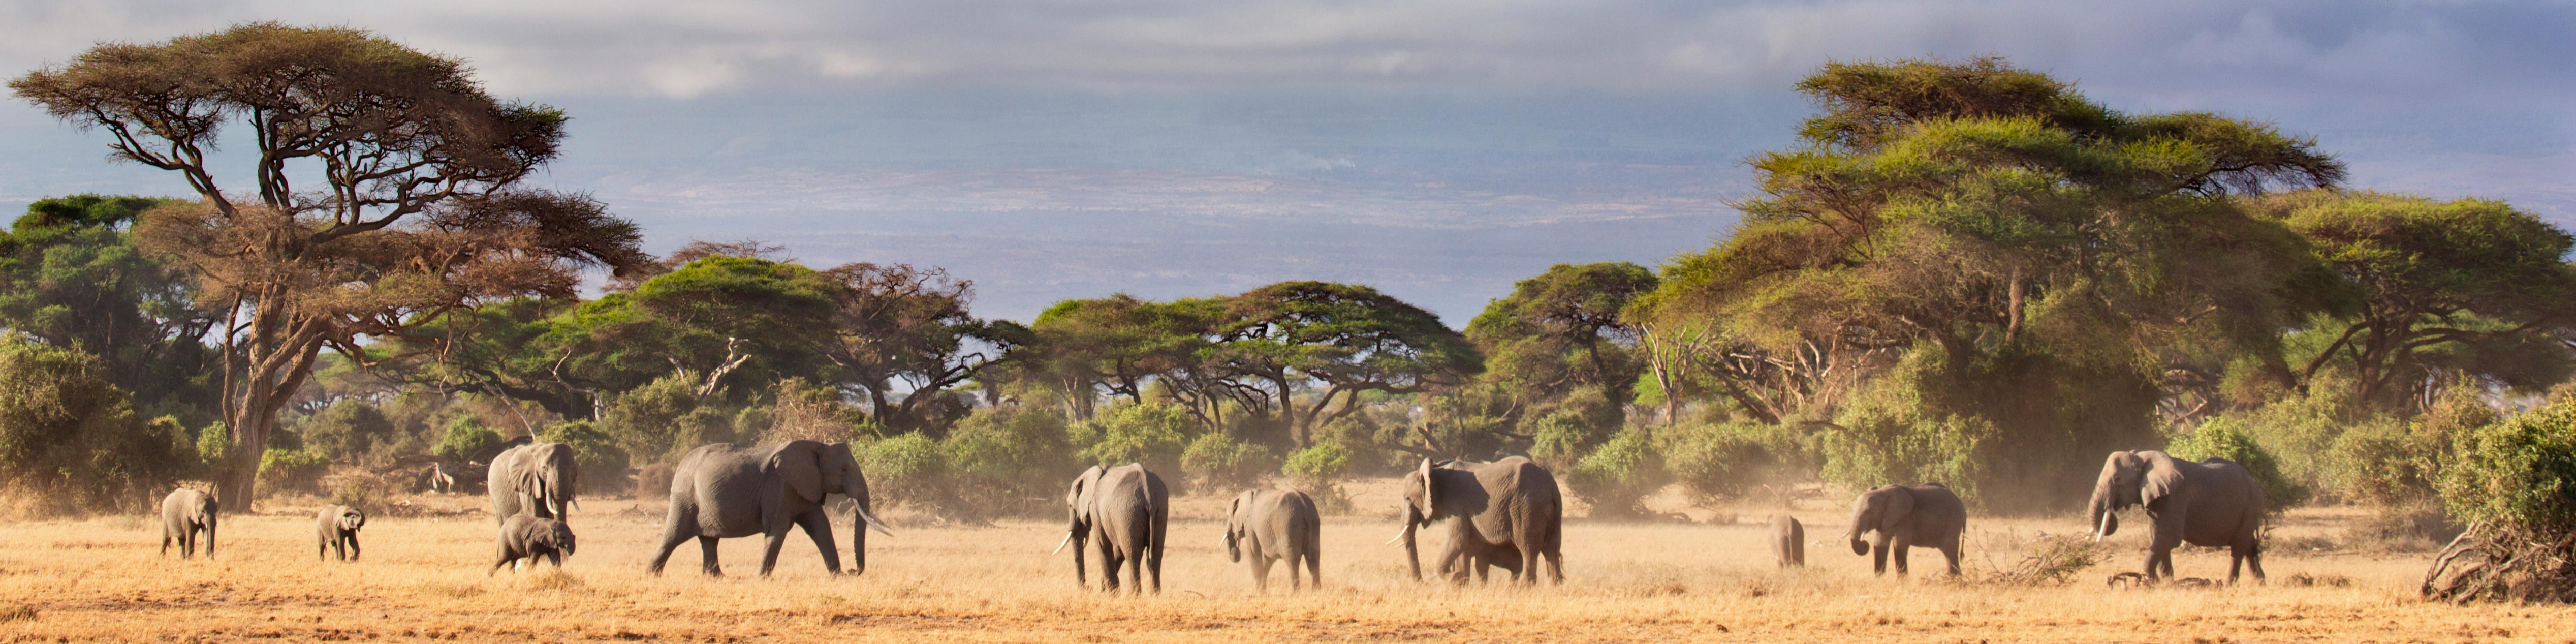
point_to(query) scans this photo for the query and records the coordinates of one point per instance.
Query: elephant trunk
(2100, 511)
(1412, 555)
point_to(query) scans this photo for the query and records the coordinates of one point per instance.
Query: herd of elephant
(1501, 514)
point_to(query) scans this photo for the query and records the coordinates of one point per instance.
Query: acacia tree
(2036, 259)
(1348, 338)
(1561, 329)
(384, 193)
(70, 274)
(896, 328)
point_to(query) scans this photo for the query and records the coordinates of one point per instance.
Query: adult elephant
(2207, 503)
(1926, 515)
(537, 479)
(1511, 502)
(1124, 510)
(722, 491)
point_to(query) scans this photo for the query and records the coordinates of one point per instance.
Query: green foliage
(1586, 417)
(2229, 439)
(71, 275)
(293, 470)
(603, 463)
(1154, 434)
(1726, 460)
(1561, 330)
(347, 430)
(1008, 460)
(905, 469)
(1616, 477)
(1220, 462)
(2518, 474)
(1318, 465)
(64, 429)
(464, 438)
(213, 443)
(1889, 435)
(658, 422)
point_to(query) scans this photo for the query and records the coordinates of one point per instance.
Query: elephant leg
(707, 554)
(1109, 563)
(353, 547)
(820, 528)
(674, 532)
(1878, 555)
(1527, 539)
(165, 539)
(1136, 572)
(1951, 553)
(1314, 569)
(2254, 561)
(1261, 572)
(770, 542)
(1897, 553)
(858, 547)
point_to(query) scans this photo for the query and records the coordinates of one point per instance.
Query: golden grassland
(423, 579)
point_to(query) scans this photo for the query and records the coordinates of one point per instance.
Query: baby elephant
(1480, 558)
(1789, 542)
(1275, 526)
(527, 537)
(183, 514)
(337, 529)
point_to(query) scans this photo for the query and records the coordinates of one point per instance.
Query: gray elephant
(1928, 515)
(537, 478)
(723, 491)
(2209, 503)
(1788, 542)
(1511, 502)
(1275, 526)
(1125, 511)
(530, 538)
(336, 528)
(185, 513)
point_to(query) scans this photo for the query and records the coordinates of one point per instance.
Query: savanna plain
(1710, 579)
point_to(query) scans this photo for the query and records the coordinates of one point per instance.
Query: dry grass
(423, 578)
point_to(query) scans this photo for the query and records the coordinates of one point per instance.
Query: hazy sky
(1438, 150)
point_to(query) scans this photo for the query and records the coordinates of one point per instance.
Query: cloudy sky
(1436, 149)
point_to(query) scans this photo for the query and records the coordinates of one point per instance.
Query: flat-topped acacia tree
(383, 191)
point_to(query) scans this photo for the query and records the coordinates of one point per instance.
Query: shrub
(1616, 477)
(64, 427)
(1008, 460)
(801, 410)
(1886, 435)
(904, 469)
(603, 463)
(2511, 482)
(292, 470)
(1154, 434)
(212, 443)
(1576, 425)
(1319, 465)
(2227, 438)
(1721, 461)
(1223, 463)
(348, 429)
(658, 421)
(465, 437)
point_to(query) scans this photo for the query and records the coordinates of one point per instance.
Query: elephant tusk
(1399, 534)
(576, 503)
(1059, 546)
(2099, 528)
(881, 527)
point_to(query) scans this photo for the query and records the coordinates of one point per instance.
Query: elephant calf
(1789, 542)
(1906, 517)
(527, 537)
(183, 514)
(1479, 558)
(337, 529)
(1275, 526)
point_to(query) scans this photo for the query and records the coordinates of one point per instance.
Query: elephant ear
(2163, 479)
(1898, 506)
(1430, 491)
(801, 468)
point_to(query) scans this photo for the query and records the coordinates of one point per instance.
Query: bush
(212, 443)
(348, 430)
(64, 429)
(659, 421)
(1220, 462)
(801, 410)
(1582, 421)
(1154, 434)
(1887, 435)
(1319, 465)
(1723, 461)
(292, 470)
(2227, 438)
(465, 437)
(1008, 460)
(603, 463)
(2392, 464)
(906, 469)
(2511, 482)
(1616, 477)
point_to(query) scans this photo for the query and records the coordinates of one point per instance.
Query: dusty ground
(423, 578)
